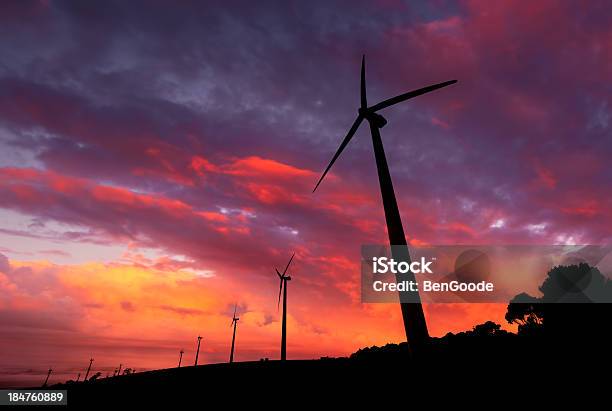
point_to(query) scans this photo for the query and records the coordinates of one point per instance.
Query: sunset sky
(157, 162)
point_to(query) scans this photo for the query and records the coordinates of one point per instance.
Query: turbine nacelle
(234, 318)
(283, 278)
(375, 118)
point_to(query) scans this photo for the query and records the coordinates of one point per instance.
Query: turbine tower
(47, 379)
(283, 289)
(180, 357)
(234, 324)
(91, 360)
(198, 351)
(412, 310)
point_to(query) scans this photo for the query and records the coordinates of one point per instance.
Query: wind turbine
(198, 351)
(91, 360)
(283, 289)
(47, 379)
(119, 371)
(234, 323)
(180, 357)
(412, 310)
(78, 377)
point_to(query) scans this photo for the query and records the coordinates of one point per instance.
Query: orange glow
(123, 301)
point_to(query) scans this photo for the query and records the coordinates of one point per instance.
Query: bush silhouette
(95, 376)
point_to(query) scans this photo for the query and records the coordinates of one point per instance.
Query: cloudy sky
(157, 162)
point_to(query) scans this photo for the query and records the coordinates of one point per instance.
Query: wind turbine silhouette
(47, 379)
(234, 323)
(283, 289)
(198, 351)
(91, 360)
(415, 325)
(180, 357)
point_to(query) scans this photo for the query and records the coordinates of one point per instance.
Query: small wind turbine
(180, 357)
(119, 372)
(78, 377)
(234, 323)
(91, 360)
(198, 351)
(47, 379)
(283, 289)
(412, 310)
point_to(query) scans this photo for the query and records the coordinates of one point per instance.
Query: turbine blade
(409, 95)
(280, 290)
(346, 140)
(235, 307)
(278, 273)
(364, 100)
(286, 268)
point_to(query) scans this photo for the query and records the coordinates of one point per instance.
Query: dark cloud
(202, 105)
(161, 84)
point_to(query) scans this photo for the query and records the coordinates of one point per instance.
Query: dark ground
(458, 368)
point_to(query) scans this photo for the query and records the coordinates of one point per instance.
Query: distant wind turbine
(78, 377)
(234, 324)
(47, 379)
(412, 311)
(119, 371)
(180, 357)
(283, 289)
(91, 360)
(198, 351)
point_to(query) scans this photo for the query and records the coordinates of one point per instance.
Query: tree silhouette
(525, 311)
(565, 310)
(576, 284)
